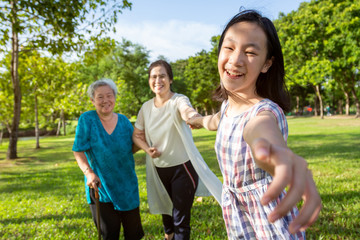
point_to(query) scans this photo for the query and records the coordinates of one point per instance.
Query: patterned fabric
(111, 158)
(244, 183)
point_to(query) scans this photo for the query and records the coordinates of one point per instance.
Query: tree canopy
(320, 43)
(54, 26)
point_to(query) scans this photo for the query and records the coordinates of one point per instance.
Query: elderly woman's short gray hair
(99, 83)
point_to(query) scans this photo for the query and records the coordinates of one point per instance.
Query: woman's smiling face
(159, 80)
(242, 57)
(104, 100)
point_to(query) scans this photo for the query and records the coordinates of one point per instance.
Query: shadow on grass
(205, 138)
(345, 197)
(58, 180)
(56, 217)
(319, 146)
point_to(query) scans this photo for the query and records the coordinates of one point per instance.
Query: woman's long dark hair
(271, 84)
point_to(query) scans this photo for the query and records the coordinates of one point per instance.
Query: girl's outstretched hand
(290, 170)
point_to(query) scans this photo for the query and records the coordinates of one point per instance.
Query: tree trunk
(58, 128)
(37, 122)
(315, 106)
(297, 111)
(63, 121)
(347, 105)
(340, 106)
(318, 94)
(1, 133)
(12, 149)
(356, 100)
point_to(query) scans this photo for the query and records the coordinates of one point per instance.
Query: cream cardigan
(158, 199)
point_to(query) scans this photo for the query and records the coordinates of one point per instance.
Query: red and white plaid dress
(244, 183)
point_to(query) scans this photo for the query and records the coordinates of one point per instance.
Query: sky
(180, 29)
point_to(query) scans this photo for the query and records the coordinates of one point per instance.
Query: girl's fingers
(280, 181)
(310, 210)
(288, 170)
(294, 193)
(267, 156)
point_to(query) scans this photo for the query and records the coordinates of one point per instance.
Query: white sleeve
(139, 124)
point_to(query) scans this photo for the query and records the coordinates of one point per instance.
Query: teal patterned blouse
(111, 158)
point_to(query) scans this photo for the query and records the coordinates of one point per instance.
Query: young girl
(251, 139)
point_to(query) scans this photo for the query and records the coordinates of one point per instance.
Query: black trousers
(180, 182)
(111, 221)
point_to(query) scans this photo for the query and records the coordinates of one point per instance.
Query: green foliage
(57, 25)
(179, 84)
(126, 64)
(321, 45)
(42, 193)
(202, 78)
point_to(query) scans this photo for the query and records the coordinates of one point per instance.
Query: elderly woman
(173, 164)
(103, 149)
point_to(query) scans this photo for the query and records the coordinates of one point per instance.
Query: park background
(51, 52)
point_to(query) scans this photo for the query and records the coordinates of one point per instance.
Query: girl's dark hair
(271, 84)
(163, 63)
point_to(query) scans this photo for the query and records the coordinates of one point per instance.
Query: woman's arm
(288, 169)
(141, 135)
(210, 122)
(93, 180)
(194, 119)
(135, 148)
(187, 112)
(139, 140)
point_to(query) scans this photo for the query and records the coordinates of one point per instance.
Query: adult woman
(103, 149)
(172, 157)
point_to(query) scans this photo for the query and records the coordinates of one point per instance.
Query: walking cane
(97, 213)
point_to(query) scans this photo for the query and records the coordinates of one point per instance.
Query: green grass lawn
(42, 192)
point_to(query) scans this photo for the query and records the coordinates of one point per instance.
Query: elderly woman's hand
(93, 181)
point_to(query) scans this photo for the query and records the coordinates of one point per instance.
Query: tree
(321, 42)
(126, 64)
(180, 82)
(302, 38)
(52, 25)
(6, 96)
(344, 46)
(202, 78)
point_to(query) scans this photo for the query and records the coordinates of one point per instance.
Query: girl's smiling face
(242, 57)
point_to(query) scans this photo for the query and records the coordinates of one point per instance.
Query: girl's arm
(288, 169)
(139, 140)
(93, 180)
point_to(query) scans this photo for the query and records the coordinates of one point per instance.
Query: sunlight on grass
(42, 193)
